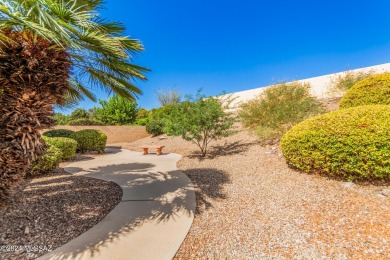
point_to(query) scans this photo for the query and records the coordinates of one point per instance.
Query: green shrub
(157, 118)
(142, 113)
(45, 163)
(67, 146)
(61, 119)
(142, 121)
(343, 82)
(374, 90)
(116, 110)
(351, 143)
(79, 113)
(278, 108)
(90, 140)
(59, 133)
(85, 121)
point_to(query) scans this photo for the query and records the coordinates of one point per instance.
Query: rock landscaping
(49, 211)
(251, 205)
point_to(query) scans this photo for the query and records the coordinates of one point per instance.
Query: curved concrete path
(153, 218)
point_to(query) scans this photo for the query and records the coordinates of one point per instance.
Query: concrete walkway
(151, 221)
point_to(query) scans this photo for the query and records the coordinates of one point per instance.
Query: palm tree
(53, 51)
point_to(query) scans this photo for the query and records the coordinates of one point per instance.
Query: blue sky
(238, 45)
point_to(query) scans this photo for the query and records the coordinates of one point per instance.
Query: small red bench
(158, 149)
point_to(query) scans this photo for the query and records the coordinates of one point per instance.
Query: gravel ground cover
(49, 211)
(251, 205)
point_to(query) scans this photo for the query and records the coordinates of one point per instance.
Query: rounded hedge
(352, 143)
(85, 121)
(374, 90)
(45, 163)
(90, 140)
(67, 146)
(59, 133)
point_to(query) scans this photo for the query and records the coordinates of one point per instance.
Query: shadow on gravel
(52, 206)
(225, 150)
(148, 196)
(209, 183)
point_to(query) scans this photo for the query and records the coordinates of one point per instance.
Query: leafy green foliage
(142, 113)
(278, 108)
(90, 140)
(351, 143)
(157, 118)
(370, 91)
(45, 163)
(59, 133)
(342, 83)
(168, 97)
(85, 121)
(200, 120)
(79, 113)
(142, 121)
(67, 146)
(97, 47)
(61, 119)
(116, 111)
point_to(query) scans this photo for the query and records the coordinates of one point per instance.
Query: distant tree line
(114, 111)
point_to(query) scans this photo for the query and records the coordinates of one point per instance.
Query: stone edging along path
(153, 217)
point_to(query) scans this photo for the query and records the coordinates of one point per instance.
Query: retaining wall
(115, 134)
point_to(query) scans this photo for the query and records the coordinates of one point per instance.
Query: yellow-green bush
(90, 140)
(374, 90)
(67, 146)
(45, 163)
(278, 108)
(350, 143)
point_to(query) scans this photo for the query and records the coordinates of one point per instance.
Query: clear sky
(238, 45)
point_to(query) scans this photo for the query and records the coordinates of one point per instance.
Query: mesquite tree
(201, 120)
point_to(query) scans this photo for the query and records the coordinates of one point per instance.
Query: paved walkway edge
(153, 217)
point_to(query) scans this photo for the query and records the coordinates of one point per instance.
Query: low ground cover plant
(200, 120)
(370, 91)
(278, 108)
(90, 140)
(352, 143)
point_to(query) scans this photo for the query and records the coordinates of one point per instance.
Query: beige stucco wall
(319, 85)
(115, 134)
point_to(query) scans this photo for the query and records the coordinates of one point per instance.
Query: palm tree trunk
(33, 77)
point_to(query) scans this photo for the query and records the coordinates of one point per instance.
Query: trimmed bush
(278, 108)
(374, 90)
(353, 143)
(45, 163)
(67, 146)
(59, 133)
(90, 140)
(85, 121)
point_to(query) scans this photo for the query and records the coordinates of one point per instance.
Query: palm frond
(101, 55)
